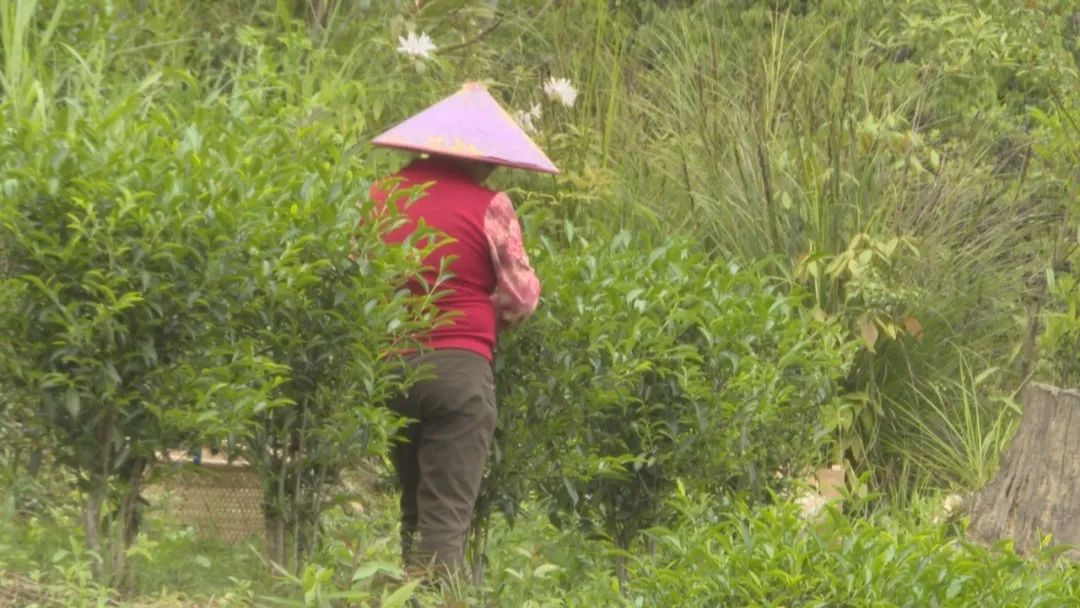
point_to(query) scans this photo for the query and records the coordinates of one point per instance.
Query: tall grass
(789, 141)
(952, 429)
(782, 136)
(25, 45)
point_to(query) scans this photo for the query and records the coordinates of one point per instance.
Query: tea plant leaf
(400, 596)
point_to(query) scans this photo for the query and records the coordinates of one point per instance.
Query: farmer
(491, 286)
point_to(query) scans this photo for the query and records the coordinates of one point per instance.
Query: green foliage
(770, 557)
(1060, 335)
(319, 591)
(330, 313)
(181, 265)
(789, 132)
(57, 564)
(101, 270)
(644, 367)
(44, 559)
(722, 553)
(984, 59)
(954, 429)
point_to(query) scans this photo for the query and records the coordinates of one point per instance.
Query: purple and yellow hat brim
(469, 125)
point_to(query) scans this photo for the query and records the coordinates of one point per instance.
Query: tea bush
(184, 268)
(727, 553)
(320, 296)
(101, 274)
(647, 364)
(772, 557)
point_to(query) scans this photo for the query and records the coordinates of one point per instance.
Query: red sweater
(456, 206)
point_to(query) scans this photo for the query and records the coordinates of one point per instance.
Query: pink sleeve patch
(517, 290)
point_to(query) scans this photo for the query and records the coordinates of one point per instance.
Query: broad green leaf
(400, 596)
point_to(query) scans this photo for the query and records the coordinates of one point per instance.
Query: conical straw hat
(469, 124)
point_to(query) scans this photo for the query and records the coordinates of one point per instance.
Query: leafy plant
(910, 165)
(772, 557)
(1060, 320)
(955, 429)
(188, 269)
(100, 272)
(793, 135)
(641, 370)
(333, 315)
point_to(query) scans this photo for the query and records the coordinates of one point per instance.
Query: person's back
(454, 205)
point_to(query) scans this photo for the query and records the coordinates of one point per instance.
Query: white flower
(950, 506)
(421, 46)
(527, 119)
(811, 504)
(952, 503)
(560, 89)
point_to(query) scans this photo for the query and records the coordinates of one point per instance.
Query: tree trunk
(95, 499)
(275, 537)
(478, 545)
(1037, 490)
(127, 524)
(622, 570)
(273, 512)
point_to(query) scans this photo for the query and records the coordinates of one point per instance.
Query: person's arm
(517, 290)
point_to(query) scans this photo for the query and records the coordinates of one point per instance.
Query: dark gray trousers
(441, 460)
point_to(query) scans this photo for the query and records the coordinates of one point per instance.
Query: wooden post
(1037, 490)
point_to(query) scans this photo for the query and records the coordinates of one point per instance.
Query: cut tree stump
(1037, 489)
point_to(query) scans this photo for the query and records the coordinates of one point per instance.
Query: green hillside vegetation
(788, 234)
